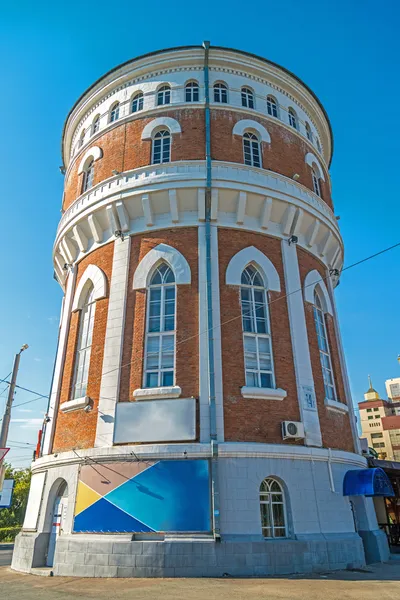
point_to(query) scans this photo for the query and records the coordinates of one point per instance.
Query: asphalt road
(5, 554)
(378, 581)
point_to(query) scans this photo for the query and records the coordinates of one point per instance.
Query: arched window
(256, 331)
(162, 147)
(114, 114)
(272, 106)
(164, 95)
(316, 182)
(81, 139)
(84, 346)
(96, 125)
(88, 176)
(309, 132)
(273, 510)
(318, 144)
(251, 150)
(137, 102)
(220, 93)
(192, 91)
(247, 97)
(292, 118)
(160, 330)
(324, 352)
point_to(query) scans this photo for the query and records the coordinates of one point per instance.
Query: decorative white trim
(252, 255)
(244, 124)
(313, 279)
(93, 153)
(159, 393)
(92, 275)
(312, 160)
(168, 122)
(76, 404)
(257, 393)
(170, 255)
(340, 406)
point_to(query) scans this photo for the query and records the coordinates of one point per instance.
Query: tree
(14, 516)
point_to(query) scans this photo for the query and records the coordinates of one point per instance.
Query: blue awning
(367, 482)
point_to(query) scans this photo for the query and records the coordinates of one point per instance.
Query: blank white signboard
(6, 493)
(34, 500)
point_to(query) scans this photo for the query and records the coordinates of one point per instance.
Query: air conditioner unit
(292, 430)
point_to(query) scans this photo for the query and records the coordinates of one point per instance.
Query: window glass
(88, 177)
(251, 150)
(324, 352)
(137, 102)
(292, 118)
(84, 347)
(272, 509)
(220, 93)
(114, 115)
(272, 106)
(164, 95)
(162, 147)
(247, 97)
(192, 92)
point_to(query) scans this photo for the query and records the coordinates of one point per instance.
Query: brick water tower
(200, 419)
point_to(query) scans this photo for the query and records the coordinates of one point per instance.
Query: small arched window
(114, 113)
(84, 346)
(324, 351)
(273, 509)
(220, 93)
(164, 95)
(292, 118)
(309, 132)
(192, 91)
(247, 97)
(96, 125)
(88, 176)
(318, 144)
(256, 331)
(81, 139)
(316, 182)
(137, 102)
(251, 150)
(161, 147)
(160, 330)
(272, 106)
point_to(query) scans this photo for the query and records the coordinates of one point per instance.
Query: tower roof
(371, 393)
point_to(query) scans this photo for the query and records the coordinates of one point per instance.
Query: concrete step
(42, 571)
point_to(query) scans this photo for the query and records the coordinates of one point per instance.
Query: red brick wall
(335, 426)
(78, 429)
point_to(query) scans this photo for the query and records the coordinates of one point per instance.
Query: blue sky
(51, 52)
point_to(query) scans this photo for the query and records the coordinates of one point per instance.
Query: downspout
(210, 322)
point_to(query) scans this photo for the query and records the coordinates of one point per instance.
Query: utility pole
(7, 413)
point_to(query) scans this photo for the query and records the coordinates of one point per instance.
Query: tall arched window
(81, 139)
(324, 352)
(84, 346)
(164, 95)
(272, 106)
(247, 97)
(192, 91)
(162, 147)
(309, 132)
(160, 331)
(114, 114)
(96, 125)
(256, 332)
(88, 176)
(137, 102)
(292, 118)
(316, 182)
(318, 144)
(220, 93)
(251, 150)
(273, 510)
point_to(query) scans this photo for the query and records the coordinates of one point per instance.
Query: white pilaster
(111, 372)
(300, 346)
(203, 339)
(58, 367)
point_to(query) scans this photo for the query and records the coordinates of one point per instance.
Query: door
(59, 515)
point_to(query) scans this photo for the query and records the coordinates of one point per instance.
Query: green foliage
(13, 517)
(8, 534)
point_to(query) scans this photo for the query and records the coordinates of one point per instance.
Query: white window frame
(164, 95)
(81, 139)
(96, 125)
(316, 182)
(248, 100)
(88, 177)
(258, 371)
(309, 132)
(318, 310)
(251, 139)
(220, 90)
(166, 134)
(89, 308)
(192, 88)
(266, 499)
(272, 106)
(114, 112)
(293, 118)
(137, 98)
(162, 333)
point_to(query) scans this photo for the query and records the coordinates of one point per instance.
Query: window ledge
(157, 393)
(337, 405)
(75, 404)
(263, 393)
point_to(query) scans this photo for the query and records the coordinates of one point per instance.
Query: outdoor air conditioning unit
(292, 430)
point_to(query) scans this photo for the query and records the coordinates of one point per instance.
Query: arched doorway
(58, 518)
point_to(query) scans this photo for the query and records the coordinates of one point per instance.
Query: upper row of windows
(192, 94)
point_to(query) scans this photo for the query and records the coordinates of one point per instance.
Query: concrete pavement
(376, 581)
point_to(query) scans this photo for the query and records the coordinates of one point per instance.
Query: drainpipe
(210, 323)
